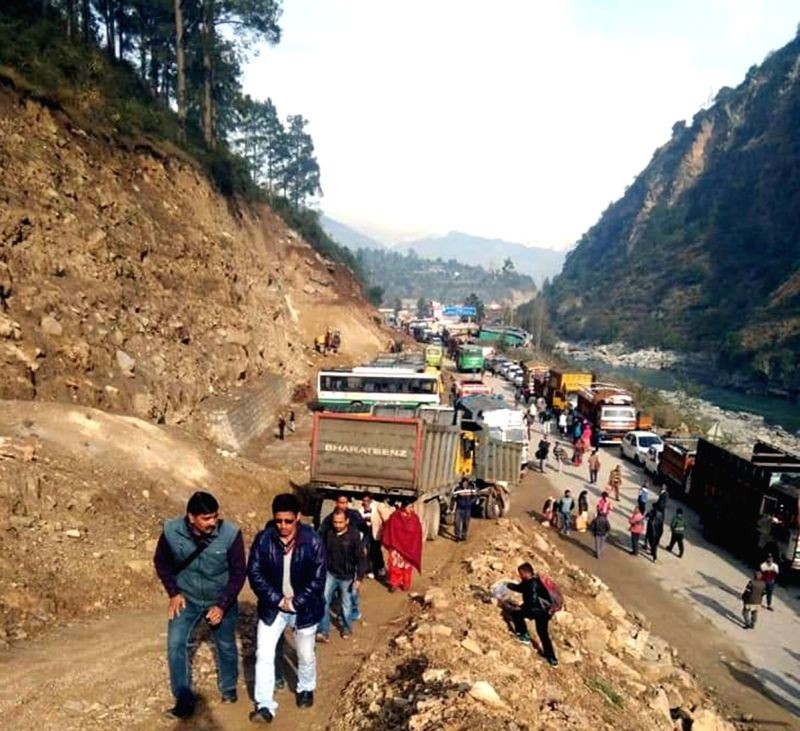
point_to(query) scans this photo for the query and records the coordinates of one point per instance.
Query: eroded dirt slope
(127, 283)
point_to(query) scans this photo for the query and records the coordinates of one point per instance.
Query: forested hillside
(703, 250)
(402, 275)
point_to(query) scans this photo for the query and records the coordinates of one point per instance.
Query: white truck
(504, 423)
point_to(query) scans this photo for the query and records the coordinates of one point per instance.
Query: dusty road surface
(694, 602)
(112, 673)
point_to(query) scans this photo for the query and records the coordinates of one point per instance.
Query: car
(651, 461)
(497, 364)
(505, 367)
(518, 380)
(635, 445)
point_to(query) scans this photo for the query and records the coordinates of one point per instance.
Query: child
(535, 605)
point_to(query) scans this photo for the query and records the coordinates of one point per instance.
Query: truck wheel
(491, 508)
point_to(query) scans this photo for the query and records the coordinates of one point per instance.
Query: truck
(504, 423)
(749, 505)
(563, 387)
(609, 409)
(405, 459)
(534, 378)
(675, 466)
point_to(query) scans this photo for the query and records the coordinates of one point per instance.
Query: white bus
(338, 389)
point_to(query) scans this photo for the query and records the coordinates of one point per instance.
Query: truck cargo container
(675, 466)
(751, 506)
(563, 387)
(407, 460)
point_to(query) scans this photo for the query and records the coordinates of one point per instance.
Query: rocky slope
(703, 250)
(127, 283)
(455, 665)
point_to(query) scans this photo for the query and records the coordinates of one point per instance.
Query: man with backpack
(200, 561)
(540, 600)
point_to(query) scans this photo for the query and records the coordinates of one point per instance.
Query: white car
(635, 445)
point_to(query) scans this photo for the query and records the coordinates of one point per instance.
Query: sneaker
(261, 715)
(322, 637)
(181, 710)
(346, 634)
(280, 683)
(370, 575)
(305, 699)
(553, 662)
(357, 617)
(525, 639)
(230, 697)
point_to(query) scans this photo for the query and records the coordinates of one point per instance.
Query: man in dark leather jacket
(286, 570)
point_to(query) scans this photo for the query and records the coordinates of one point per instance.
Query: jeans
(355, 606)
(769, 586)
(635, 543)
(268, 637)
(566, 520)
(599, 542)
(592, 476)
(179, 632)
(462, 523)
(332, 584)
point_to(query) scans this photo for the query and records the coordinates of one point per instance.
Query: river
(776, 411)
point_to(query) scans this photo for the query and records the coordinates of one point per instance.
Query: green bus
(470, 359)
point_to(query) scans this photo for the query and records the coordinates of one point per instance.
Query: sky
(514, 119)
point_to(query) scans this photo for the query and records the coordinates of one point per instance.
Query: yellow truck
(563, 387)
(434, 354)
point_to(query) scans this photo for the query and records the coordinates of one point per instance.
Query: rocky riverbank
(737, 428)
(619, 355)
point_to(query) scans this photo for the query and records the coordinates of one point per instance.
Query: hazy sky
(519, 119)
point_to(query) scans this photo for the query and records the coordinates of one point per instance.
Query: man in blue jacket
(286, 570)
(200, 561)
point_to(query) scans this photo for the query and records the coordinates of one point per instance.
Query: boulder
(484, 693)
(659, 702)
(50, 326)
(707, 720)
(606, 605)
(125, 362)
(471, 646)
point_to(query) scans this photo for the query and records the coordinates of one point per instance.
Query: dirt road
(693, 603)
(112, 673)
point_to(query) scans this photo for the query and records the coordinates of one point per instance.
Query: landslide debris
(456, 665)
(129, 284)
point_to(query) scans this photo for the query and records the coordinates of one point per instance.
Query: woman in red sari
(402, 538)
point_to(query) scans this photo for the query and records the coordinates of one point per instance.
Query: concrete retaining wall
(231, 422)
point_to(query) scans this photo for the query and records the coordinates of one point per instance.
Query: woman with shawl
(402, 538)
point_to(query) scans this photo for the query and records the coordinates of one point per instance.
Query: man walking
(594, 466)
(751, 598)
(542, 452)
(655, 529)
(200, 561)
(286, 570)
(567, 505)
(678, 529)
(536, 603)
(600, 528)
(769, 574)
(345, 556)
(465, 497)
(373, 518)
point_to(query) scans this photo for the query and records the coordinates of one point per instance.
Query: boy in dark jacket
(678, 528)
(286, 570)
(536, 606)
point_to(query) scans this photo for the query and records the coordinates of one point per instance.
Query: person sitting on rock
(536, 606)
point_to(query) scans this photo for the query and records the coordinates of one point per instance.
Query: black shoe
(182, 709)
(261, 715)
(230, 697)
(305, 699)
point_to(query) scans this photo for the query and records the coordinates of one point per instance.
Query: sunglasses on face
(285, 521)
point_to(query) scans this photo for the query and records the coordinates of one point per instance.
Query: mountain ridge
(702, 252)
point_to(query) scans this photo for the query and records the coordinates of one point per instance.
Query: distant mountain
(404, 275)
(703, 250)
(536, 262)
(347, 236)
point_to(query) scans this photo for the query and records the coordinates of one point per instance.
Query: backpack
(556, 603)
